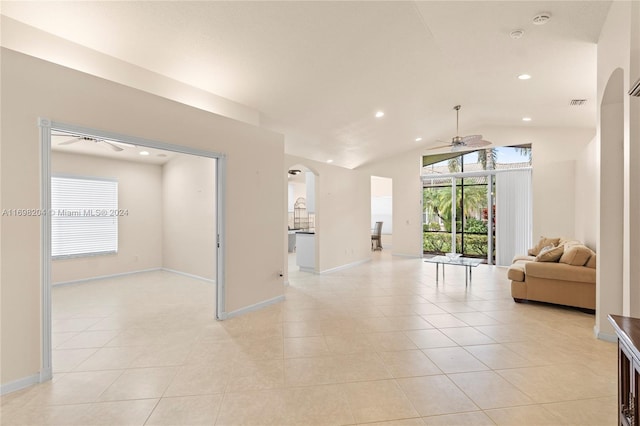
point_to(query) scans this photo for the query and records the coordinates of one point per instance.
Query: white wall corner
(254, 307)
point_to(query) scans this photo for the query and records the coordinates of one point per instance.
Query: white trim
(307, 269)
(478, 173)
(16, 385)
(255, 307)
(221, 239)
(45, 249)
(102, 277)
(604, 336)
(186, 274)
(347, 266)
(45, 126)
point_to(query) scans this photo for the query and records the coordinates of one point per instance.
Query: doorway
(117, 143)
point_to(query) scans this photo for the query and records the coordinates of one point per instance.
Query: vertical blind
(84, 216)
(513, 215)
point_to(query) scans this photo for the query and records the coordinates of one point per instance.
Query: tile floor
(376, 344)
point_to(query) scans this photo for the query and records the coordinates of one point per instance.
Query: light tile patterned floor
(376, 344)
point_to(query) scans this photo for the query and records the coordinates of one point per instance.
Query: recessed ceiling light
(144, 152)
(524, 77)
(379, 114)
(418, 139)
(329, 161)
(526, 118)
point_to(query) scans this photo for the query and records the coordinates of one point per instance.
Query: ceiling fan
(458, 143)
(77, 139)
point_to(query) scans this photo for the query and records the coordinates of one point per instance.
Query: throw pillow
(544, 242)
(550, 255)
(591, 263)
(576, 255)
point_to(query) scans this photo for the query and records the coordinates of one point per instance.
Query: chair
(376, 237)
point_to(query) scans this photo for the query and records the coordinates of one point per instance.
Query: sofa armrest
(560, 271)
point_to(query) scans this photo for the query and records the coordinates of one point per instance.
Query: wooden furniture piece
(628, 331)
(376, 237)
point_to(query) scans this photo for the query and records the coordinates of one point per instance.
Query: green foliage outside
(440, 242)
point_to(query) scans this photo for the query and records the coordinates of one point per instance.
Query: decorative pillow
(550, 255)
(544, 242)
(576, 254)
(591, 263)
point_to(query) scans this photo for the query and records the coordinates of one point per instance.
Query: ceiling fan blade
(70, 141)
(112, 146)
(439, 147)
(478, 143)
(471, 138)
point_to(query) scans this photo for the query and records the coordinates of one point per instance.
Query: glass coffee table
(467, 262)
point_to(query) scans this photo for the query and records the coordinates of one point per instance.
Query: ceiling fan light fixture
(294, 172)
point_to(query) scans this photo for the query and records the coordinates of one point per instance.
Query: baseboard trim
(16, 385)
(607, 337)
(186, 274)
(347, 266)
(102, 277)
(255, 307)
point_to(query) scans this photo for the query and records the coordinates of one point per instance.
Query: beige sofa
(566, 277)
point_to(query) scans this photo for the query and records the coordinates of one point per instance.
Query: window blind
(513, 215)
(84, 216)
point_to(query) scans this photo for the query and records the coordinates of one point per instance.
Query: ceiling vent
(635, 90)
(577, 102)
(541, 18)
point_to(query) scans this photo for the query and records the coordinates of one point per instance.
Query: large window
(84, 216)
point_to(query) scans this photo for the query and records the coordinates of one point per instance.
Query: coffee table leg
(466, 276)
(470, 274)
(437, 273)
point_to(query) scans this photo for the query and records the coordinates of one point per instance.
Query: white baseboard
(16, 385)
(607, 337)
(254, 307)
(186, 274)
(347, 266)
(101, 277)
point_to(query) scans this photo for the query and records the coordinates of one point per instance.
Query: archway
(610, 246)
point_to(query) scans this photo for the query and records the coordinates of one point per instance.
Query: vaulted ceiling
(319, 71)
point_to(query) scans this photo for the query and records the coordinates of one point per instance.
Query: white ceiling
(318, 71)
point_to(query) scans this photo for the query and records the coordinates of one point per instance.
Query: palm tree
(455, 164)
(488, 158)
(524, 151)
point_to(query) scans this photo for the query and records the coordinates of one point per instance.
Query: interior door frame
(45, 127)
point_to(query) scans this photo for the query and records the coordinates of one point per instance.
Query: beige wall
(342, 214)
(586, 197)
(33, 88)
(188, 205)
(139, 232)
(404, 169)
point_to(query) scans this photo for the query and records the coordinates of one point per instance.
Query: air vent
(635, 90)
(577, 102)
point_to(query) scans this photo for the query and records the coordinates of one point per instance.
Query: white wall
(139, 232)
(189, 207)
(343, 214)
(618, 275)
(586, 197)
(33, 88)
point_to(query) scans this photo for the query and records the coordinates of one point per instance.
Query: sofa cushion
(516, 271)
(543, 242)
(518, 257)
(576, 254)
(591, 263)
(560, 271)
(550, 255)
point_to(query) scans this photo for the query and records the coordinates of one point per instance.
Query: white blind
(84, 216)
(513, 215)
